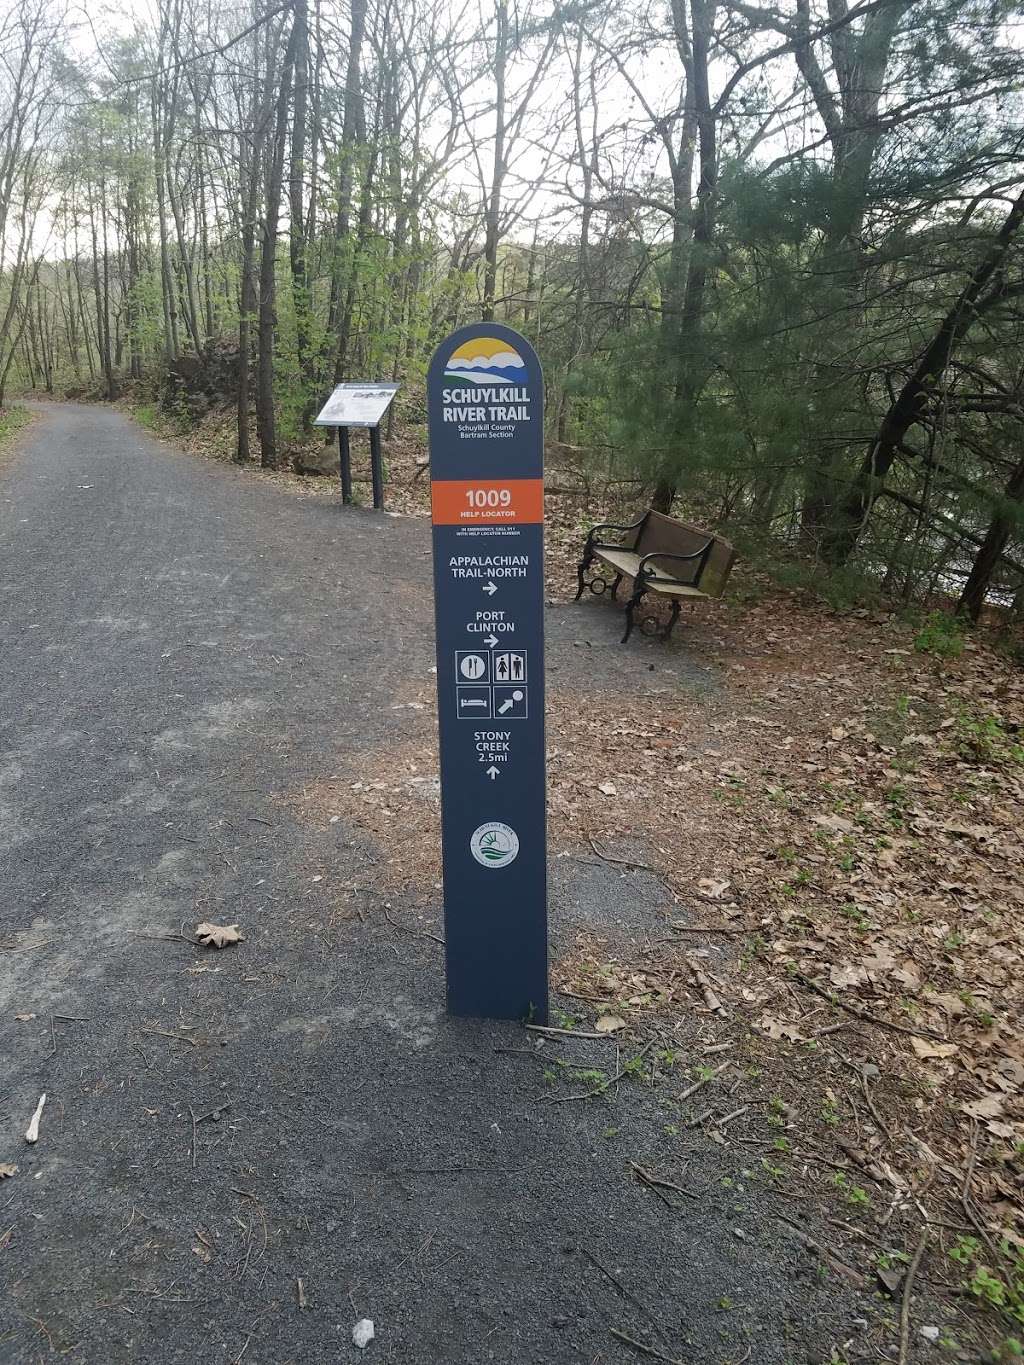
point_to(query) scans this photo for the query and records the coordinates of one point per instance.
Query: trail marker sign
(485, 402)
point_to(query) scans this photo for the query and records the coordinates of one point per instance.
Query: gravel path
(180, 644)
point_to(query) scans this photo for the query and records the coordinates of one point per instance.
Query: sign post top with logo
(485, 399)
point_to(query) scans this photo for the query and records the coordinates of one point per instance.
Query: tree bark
(855, 509)
(266, 421)
(1000, 528)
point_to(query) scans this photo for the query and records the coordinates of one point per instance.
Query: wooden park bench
(661, 555)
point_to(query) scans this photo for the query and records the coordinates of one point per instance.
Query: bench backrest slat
(668, 535)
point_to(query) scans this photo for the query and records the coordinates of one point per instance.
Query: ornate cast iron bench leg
(631, 605)
(671, 623)
(615, 587)
(581, 573)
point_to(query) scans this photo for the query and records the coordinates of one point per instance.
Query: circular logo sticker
(494, 844)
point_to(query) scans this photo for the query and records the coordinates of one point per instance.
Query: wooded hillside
(770, 254)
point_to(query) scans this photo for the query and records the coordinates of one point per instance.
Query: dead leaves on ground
(7, 1169)
(218, 935)
(857, 807)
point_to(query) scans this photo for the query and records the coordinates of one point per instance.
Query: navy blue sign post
(485, 400)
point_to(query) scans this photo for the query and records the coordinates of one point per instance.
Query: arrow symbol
(490, 589)
(492, 772)
(491, 640)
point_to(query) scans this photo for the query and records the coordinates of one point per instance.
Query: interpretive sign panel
(356, 405)
(485, 401)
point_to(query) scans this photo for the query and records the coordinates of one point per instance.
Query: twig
(570, 1032)
(847, 1271)
(257, 820)
(643, 1348)
(300, 1293)
(704, 929)
(606, 1085)
(590, 999)
(874, 1112)
(699, 1085)
(965, 1192)
(734, 1115)
(657, 1183)
(863, 1014)
(417, 933)
(908, 1286)
(621, 862)
(178, 1037)
(614, 1279)
(26, 947)
(139, 933)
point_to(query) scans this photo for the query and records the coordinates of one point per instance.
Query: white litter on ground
(362, 1333)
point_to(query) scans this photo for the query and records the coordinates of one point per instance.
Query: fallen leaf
(24, 1018)
(609, 1023)
(844, 974)
(891, 1277)
(1002, 1130)
(775, 1028)
(990, 1106)
(712, 888)
(608, 788)
(836, 822)
(218, 935)
(7, 1168)
(925, 1050)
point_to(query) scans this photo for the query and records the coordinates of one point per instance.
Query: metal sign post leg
(345, 464)
(377, 469)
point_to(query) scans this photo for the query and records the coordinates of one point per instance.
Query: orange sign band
(487, 502)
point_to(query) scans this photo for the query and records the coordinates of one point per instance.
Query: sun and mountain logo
(486, 360)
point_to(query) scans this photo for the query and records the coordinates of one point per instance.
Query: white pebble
(362, 1333)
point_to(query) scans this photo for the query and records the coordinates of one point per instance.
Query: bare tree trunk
(266, 422)
(855, 509)
(1000, 528)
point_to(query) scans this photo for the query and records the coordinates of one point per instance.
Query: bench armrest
(611, 526)
(701, 556)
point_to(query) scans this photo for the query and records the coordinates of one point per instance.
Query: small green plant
(856, 913)
(942, 635)
(590, 1075)
(777, 1112)
(985, 739)
(829, 1113)
(1001, 1289)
